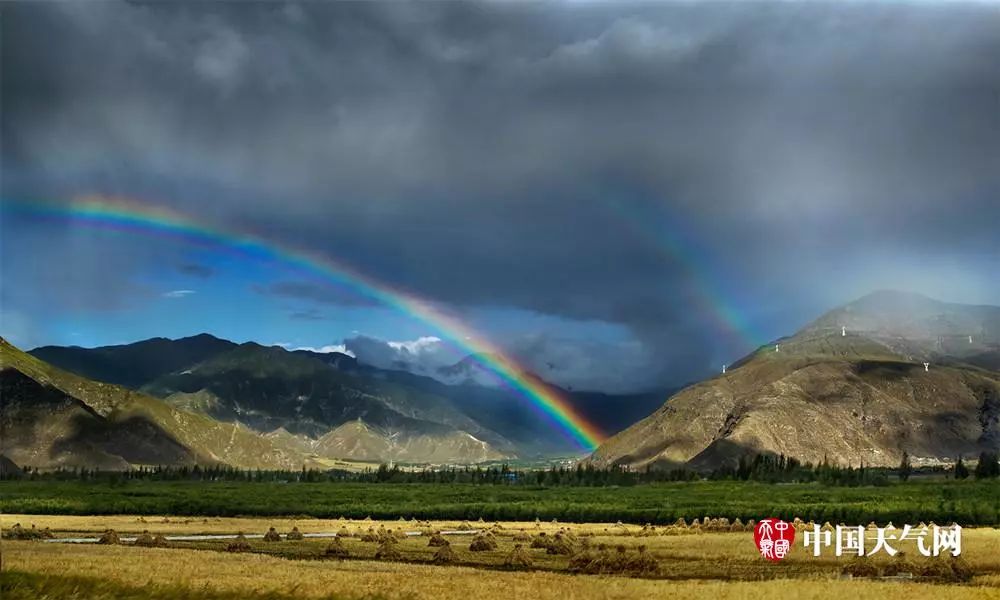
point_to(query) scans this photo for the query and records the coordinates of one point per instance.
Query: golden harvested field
(691, 565)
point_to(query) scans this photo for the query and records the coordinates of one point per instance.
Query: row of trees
(988, 467)
(762, 467)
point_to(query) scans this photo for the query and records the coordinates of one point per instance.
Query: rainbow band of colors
(127, 214)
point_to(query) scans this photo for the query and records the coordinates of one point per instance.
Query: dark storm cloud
(497, 154)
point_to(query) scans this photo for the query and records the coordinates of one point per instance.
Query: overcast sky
(622, 196)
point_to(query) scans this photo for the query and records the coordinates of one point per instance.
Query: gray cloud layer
(586, 161)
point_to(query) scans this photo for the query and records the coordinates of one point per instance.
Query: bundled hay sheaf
(294, 534)
(388, 550)
(240, 544)
(272, 535)
(109, 537)
(336, 549)
(144, 539)
(604, 561)
(642, 563)
(437, 540)
(518, 558)
(540, 541)
(900, 566)
(860, 568)
(522, 536)
(370, 536)
(559, 544)
(30, 534)
(445, 554)
(483, 543)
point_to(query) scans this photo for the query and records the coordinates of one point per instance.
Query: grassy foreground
(965, 502)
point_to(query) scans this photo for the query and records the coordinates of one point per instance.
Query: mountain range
(888, 374)
(278, 409)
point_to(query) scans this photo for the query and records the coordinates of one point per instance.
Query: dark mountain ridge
(308, 393)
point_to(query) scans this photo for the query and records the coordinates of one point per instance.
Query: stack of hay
(643, 563)
(20, 533)
(444, 554)
(272, 535)
(437, 540)
(240, 544)
(145, 539)
(15, 533)
(388, 550)
(518, 558)
(336, 549)
(588, 561)
(294, 534)
(522, 536)
(370, 536)
(559, 544)
(540, 541)
(483, 543)
(109, 537)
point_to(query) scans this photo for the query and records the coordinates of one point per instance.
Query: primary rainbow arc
(128, 214)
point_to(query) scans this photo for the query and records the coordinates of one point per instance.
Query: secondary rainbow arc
(131, 215)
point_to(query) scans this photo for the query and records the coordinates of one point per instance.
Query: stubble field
(682, 562)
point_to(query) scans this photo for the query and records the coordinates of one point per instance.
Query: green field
(965, 502)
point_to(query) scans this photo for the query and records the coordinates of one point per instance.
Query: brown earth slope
(51, 418)
(859, 397)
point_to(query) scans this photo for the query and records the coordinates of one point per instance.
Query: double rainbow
(130, 215)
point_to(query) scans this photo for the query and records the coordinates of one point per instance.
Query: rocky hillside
(850, 387)
(52, 418)
(310, 395)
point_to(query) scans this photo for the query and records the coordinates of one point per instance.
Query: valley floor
(691, 564)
